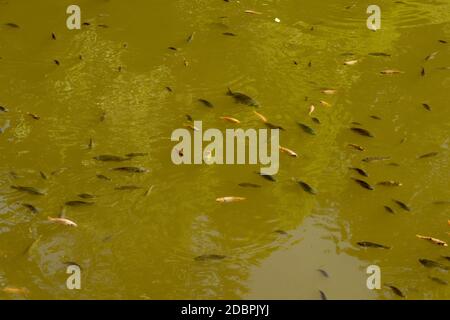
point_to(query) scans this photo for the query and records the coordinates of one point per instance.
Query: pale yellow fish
(260, 116)
(391, 71)
(63, 221)
(324, 103)
(311, 109)
(350, 62)
(20, 291)
(329, 91)
(230, 199)
(230, 119)
(288, 151)
(252, 12)
(433, 240)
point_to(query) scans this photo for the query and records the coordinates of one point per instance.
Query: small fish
(368, 244)
(191, 37)
(206, 103)
(129, 187)
(426, 106)
(230, 119)
(307, 188)
(391, 71)
(441, 202)
(131, 169)
(442, 41)
(273, 126)
(422, 72)
(281, 232)
(438, 280)
(428, 155)
(433, 240)
(324, 103)
(53, 36)
(173, 48)
(379, 54)
(103, 177)
(249, 185)
(3, 109)
(30, 190)
(350, 62)
(34, 116)
(396, 290)
(323, 295)
(12, 25)
(102, 26)
(306, 128)
(253, 12)
(375, 159)
(110, 158)
(78, 203)
(311, 109)
(363, 184)
(431, 56)
(57, 62)
(207, 257)
(189, 118)
(63, 221)
(402, 205)
(389, 209)
(316, 120)
(91, 143)
(18, 291)
(86, 196)
(260, 116)
(359, 171)
(356, 147)
(149, 190)
(432, 264)
(43, 175)
(362, 132)
(288, 151)
(242, 98)
(375, 117)
(30, 207)
(136, 154)
(390, 183)
(324, 273)
(169, 89)
(329, 91)
(230, 199)
(231, 34)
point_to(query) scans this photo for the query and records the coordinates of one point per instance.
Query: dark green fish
(30, 207)
(30, 190)
(130, 187)
(426, 106)
(363, 184)
(249, 185)
(362, 132)
(131, 169)
(43, 175)
(136, 154)
(323, 296)
(368, 244)
(389, 209)
(231, 34)
(189, 118)
(242, 98)
(375, 117)
(374, 159)
(355, 146)
(316, 120)
(422, 72)
(3, 109)
(379, 54)
(324, 273)
(281, 232)
(57, 62)
(307, 129)
(12, 25)
(428, 155)
(190, 38)
(173, 48)
(307, 188)
(78, 203)
(438, 280)
(86, 196)
(390, 183)
(402, 205)
(103, 177)
(441, 202)
(110, 158)
(446, 257)
(206, 103)
(432, 264)
(273, 126)
(53, 36)
(396, 290)
(359, 171)
(207, 257)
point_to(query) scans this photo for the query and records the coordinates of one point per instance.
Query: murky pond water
(107, 95)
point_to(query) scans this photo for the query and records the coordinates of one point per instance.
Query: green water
(136, 246)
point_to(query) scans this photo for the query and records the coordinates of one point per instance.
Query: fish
(389, 209)
(242, 98)
(129, 187)
(402, 205)
(273, 126)
(30, 190)
(231, 34)
(396, 290)
(189, 118)
(428, 155)
(253, 12)
(323, 296)
(53, 36)
(355, 146)
(324, 273)
(324, 103)
(57, 62)
(316, 120)
(260, 116)
(288, 151)
(368, 244)
(111, 158)
(206, 103)
(86, 196)
(173, 48)
(433, 240)
(63, 221)
(311, 109)
(422, 72)
(131, 169)
(391, 71)
(102, 26)
(442, 41)
(169, 89)
(363, 184)
(12, 25)
(191, 37)
(375, 159)
(306, 187)
(350, 62)
(431, 56)
(379, 54)
(362, 132)
(18, 291)
(30, 207)
(3, 109)
(136, 154)
(91, 143)
(306, 128)
(249, 185)
(432, 264)
(375, 117)
(438, 280)
(426, 106)
(390, 183)
(43, 175)
(34, 116)
(78, 203)
(230, 119)
(359, 171)
(441, 202)
(230, 199)
(207, 257)
(329, 91)
(103, 177)
(149, 190)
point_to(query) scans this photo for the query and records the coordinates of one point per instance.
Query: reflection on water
(109, 95)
